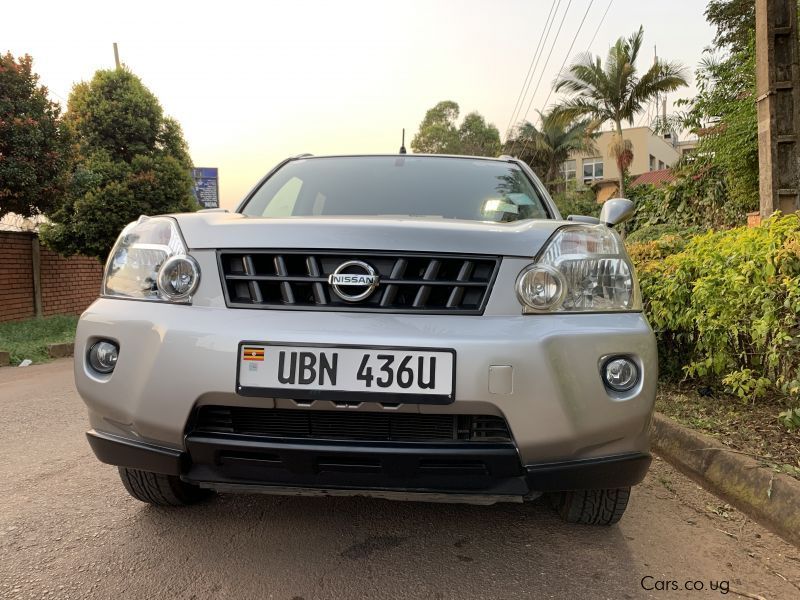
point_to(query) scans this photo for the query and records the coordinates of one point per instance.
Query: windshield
(451, 188)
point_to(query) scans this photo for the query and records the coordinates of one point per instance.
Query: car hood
(408, 234)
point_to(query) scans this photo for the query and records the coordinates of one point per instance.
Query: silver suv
(400, 326)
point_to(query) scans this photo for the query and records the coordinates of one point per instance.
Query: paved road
(69, 530)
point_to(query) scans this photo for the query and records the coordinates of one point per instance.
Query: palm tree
(545, 148)
(615, 92)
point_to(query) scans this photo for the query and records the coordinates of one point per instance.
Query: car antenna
(403, 143)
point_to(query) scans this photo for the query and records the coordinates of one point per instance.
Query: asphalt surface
(69, 530)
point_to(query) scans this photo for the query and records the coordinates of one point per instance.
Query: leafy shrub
(790, 418)
(698, 198)
(647, 256)
(726, 305)
(577, 201)
(651, 233)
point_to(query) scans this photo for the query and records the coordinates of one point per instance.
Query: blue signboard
(206, 186)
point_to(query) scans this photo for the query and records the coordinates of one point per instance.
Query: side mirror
(616, 211)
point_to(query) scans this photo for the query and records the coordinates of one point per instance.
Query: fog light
(620, 374)
(103, 356)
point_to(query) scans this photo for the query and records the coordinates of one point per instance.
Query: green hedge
(726, 305)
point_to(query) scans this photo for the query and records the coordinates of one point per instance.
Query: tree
(439, 134)
(133, 161)
(723, 116)
(735, 21)
(545, 148)
(34, 143)
(477, 138)
(615, 92)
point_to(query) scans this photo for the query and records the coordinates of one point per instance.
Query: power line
(552, 22)
(566, 58)
(544, 67)
(569, 52)
(549, 26)
(57, 95)
(603, 18)
(525, 84)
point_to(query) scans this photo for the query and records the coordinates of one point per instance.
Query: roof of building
(607, 181)
(656, 178)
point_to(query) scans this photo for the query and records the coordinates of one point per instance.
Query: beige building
(651, 152)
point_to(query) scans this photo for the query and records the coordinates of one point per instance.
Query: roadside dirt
(749, 427)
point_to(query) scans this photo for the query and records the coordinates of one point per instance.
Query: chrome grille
(409, 282)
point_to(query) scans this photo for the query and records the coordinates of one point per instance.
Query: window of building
(661, 165)
(592, 169)
(568, 169)
(652, 163)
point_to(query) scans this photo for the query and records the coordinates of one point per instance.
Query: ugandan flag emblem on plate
(252, 353)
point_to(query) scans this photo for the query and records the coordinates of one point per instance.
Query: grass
(29, 338)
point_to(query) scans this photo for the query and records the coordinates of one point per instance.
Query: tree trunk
(619, 162)
(553, 174)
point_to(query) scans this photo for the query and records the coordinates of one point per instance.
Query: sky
(254, 82)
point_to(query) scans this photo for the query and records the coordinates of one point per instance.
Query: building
(686, 146)
(598, 169)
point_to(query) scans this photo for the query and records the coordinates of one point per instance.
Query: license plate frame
(344, 395)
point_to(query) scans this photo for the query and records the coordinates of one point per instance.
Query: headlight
(178, 277)
(540, 287)
(583, 268)
(149, 262)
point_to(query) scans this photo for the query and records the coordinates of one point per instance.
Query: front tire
(159, 489)
(592, 507)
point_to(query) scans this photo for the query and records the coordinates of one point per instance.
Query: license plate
(359, 373)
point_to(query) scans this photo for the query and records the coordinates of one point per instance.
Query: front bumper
(175, 358)
(458, 469)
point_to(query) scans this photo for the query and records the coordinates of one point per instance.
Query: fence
(38, 282)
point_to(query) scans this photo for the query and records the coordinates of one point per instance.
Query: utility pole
(778, 101)
(116, 55)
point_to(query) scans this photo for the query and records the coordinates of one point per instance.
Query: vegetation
(723, 114)
(662, 232)
(574, 200)
(614, 92)
(735, 21)
(697, 198)
(34, 144)
(718, 184)
(30, 338)
(439, 134)
(726, 305)
(133, 161)
(546, 147)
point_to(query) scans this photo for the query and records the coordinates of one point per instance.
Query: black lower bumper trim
(411, 467)
(447, 467)
(609, 472)
(114, 450)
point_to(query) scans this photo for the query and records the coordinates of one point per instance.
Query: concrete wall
(65, 285)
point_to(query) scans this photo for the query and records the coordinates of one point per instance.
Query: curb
(60, 350)
(772, 499)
